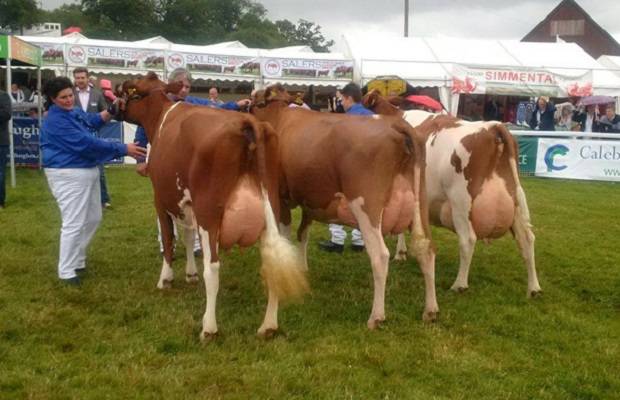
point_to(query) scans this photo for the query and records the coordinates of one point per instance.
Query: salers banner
(578, 159)
(304, 68)
(114, 57)
(214, 63)
(520, 82)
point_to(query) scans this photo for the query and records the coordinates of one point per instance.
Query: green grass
(118, 337)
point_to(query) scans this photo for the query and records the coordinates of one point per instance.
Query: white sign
(304, 68)
(579, 159)
(519, 81)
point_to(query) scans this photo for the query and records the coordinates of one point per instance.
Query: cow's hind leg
(212, 283)
(467, 244)
(401, 248)
(524, 236)
(167, 234)
(191, 273)
(379, 259)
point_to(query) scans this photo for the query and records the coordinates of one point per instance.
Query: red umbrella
(425, 101)
(72, 29)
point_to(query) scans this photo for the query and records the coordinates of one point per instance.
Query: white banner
(304, 68)
(520, 81)
(579, 159)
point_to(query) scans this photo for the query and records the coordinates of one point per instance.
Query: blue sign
(26, 141)
(112, 132)
(26, 138)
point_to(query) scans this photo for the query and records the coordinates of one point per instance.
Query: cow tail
(522, 225)
(282, 268)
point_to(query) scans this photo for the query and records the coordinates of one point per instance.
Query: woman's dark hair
(55, 86)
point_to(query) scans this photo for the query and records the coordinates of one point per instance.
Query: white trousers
(339, 235)
(78, 196)
(176, 235)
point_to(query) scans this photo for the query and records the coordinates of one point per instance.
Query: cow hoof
(400, 257)
(208, 337)
(534, 293)
(375, 323)
(430, 316)
(267, 334)
(459, 289)
(192, 278)
(165, 284)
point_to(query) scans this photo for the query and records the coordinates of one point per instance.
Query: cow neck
(154, 107)
(387, 108)
(275, 113)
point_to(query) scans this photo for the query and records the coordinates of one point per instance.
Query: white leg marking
(401, 248)
(424, 253)
(379, 259)
(212, 284)
(166, 276)
(525, 240)
(270, 322)
(191, 273)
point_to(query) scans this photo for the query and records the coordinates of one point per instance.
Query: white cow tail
(282, 266)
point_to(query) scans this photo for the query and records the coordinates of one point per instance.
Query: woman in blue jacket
(70, 158)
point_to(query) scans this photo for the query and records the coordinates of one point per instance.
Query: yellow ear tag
(272, 93)
(131, 91)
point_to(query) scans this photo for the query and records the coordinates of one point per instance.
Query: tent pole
(11, 144)
(39, 113)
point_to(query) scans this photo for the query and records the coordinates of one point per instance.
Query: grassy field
(118, 337)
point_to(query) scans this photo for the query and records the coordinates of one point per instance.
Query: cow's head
(269, 99)
(379, 104)
(134, 92)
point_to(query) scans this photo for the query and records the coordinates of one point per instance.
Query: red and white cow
(362, 171)
(216, 172)
(472, 184)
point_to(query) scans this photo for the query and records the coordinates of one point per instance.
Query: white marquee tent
(458, 66)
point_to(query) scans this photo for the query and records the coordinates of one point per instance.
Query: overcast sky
(502, 19)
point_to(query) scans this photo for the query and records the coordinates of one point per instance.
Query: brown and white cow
(357, 170)
(216, 172)
(472, 184)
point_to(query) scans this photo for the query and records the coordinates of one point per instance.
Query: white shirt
(84, 95)
(589, 122)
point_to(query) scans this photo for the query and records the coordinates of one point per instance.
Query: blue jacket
(546, 118)
(358, 109)
(141, 139)
(67, 140)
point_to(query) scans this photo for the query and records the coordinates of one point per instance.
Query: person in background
(492, 110)
(17, 95)
(543, 116)
(182, 75)
(588, 121)
(5, 116)
(70, 155)
(90, 99)
(214, 96)
(351, 96)
(610, 122)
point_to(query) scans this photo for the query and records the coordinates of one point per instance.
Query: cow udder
(243, 219)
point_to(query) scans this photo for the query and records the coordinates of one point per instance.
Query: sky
(500, 19)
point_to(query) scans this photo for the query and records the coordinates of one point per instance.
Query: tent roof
(429, 61)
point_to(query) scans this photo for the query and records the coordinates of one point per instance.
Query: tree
(67, 15)
(120, 19)
(18, 14)
(305, 33)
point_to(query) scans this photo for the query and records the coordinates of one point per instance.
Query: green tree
(67, 15)
(304, 33)
(18, 14)
(120, 19)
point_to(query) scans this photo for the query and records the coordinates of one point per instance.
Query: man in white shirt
(90, 99)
